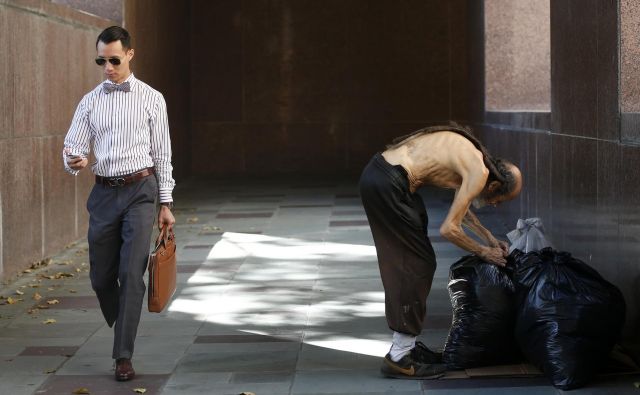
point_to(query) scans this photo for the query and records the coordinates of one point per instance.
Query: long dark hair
(498, 167)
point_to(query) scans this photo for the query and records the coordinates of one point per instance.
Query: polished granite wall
(579, 177)
(629, 52)
(312, 88)
(517, 60)
(46, 66)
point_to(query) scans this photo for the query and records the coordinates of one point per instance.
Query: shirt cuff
(70, 170)
(165, 195)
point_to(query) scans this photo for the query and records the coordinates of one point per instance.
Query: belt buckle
(116, 182)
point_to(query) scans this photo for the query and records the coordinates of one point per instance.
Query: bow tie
(108, 87)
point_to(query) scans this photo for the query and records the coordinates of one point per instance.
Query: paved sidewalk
(279, 293)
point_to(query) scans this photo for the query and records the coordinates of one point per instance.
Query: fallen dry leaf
(49, 321)
(18, 292)
(51, 289)
(78, 270)
(50, 371)
(72, 291)
(81, 391)
(38, 264)
(27, 271)
(140, 390)
(37, 296)
(42, 306)
(192, 220)
(53, 301)
(11, 300)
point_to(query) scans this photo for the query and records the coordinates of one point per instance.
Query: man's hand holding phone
(76, 162)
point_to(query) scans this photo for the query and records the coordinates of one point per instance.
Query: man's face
(478, 202)
(488, 199)
(114, 50)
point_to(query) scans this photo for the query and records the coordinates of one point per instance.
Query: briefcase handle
(163, 237)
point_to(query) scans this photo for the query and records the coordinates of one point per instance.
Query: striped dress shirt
(129, 131)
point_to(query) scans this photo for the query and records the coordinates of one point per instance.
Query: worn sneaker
(422, 354)
(409, 368)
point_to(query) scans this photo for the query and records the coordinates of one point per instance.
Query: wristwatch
(168, 204)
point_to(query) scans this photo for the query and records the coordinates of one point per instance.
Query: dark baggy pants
(120, 227)
(398, 222)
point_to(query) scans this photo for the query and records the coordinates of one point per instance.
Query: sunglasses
(113, 61)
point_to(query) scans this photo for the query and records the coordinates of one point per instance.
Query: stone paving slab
(101, 384)
(278, 293)
(21, 383)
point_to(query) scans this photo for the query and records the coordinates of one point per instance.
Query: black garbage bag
(569, 317)
(484, 312)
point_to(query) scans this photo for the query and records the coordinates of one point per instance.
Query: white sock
(402, 344)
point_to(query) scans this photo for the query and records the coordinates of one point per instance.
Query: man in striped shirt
(126, 122)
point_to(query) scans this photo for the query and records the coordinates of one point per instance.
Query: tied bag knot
(528, 236)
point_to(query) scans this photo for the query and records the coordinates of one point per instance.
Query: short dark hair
(115, 33)
(507, 181)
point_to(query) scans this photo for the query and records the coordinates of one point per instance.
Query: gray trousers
(120, 227)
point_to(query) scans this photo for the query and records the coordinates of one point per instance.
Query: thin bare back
(466, 132)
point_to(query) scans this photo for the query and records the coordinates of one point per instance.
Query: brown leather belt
(125, 179)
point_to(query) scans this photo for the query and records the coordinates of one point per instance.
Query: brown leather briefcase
(162, 271)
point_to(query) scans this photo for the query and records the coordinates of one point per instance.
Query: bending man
(441, 156)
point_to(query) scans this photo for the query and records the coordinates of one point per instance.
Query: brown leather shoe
(124, 369)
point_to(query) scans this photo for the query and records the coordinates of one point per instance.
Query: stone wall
(579, 172)
(315, 88)
(46, 66)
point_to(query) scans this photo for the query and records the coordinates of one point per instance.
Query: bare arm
(474, 178)
(472, 222)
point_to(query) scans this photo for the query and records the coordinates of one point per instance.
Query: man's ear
(493, 186)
